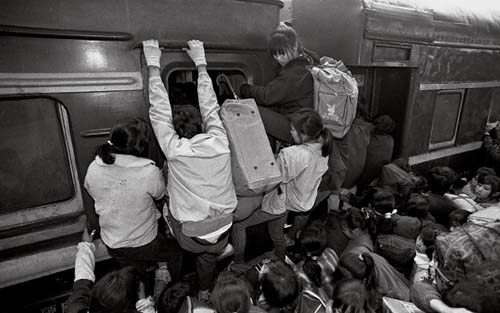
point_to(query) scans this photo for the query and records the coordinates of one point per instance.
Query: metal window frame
(449, 143)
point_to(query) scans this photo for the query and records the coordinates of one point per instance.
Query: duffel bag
(253, 164)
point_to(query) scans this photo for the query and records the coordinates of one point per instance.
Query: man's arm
(160, 111)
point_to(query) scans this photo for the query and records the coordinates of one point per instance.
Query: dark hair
(187, 121)
(308, 122)
(384, 125)
(115, 292)
(280, 286)
(125, 138)
(284, 40)
(383, 201)
(473, 296)
(420, 183)
(440, 179)
(485, 171)
(418, 206)
(428, 235)
(458, 217)
(355, 218)
(172, 297)
(493, 181)
(360, 266)
(351, 296)
(313, 242)
(231, 294)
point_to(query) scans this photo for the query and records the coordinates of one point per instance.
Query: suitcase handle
(223, 79)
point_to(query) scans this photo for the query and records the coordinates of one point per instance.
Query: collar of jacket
(126, 160)
(301, 60)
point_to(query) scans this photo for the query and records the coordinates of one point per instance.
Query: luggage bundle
(398, 250)
(253, 164)
(471, 253)
(335, 95)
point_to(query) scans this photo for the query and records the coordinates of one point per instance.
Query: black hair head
(187, 121)
(231, 294)
(384, 125)
(115, 292)
(280, 286)
(172, 297)
(351, 295)
(125, 138)
(418, 206)
(441, 179)
(284, 40)
(308, 122)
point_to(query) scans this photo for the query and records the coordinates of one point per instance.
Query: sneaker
(204, 296)
(228, 251)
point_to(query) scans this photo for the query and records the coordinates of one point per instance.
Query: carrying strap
(327, 305)
(223, 79)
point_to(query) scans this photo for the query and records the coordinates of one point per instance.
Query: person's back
(124, 186)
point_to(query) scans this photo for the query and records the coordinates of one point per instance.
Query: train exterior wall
(414, 62)
(85, 57)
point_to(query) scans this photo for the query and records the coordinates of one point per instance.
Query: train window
(447, 109)
(182, 85)
(34, 165)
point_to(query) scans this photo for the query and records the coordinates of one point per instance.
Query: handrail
(22, 31)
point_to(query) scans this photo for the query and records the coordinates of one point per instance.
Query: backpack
(335, 95)
(311, 302)
(470, 253)
(397, 180)
(398, 250)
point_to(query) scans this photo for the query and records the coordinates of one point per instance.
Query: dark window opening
(182, 88)
(34, 165)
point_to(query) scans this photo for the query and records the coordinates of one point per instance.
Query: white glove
(152, 52)
(196, 52)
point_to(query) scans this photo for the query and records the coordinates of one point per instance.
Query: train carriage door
(390, 95)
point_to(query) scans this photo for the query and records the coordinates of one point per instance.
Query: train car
(69, 70)
(430, 65)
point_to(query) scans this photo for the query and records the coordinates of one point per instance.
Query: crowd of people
(362, 226)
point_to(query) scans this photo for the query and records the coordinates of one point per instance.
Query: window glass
(34, 166)
(446, 118)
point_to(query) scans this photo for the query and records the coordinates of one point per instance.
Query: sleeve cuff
(85, 261)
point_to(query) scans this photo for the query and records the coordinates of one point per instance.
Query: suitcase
(253, 164)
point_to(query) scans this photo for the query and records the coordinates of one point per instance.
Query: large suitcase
(254, 166)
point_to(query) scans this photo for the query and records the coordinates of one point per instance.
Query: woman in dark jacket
(290, 90)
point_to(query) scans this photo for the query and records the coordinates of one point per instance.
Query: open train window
(34, 165)
(447, 110)
(182, 84)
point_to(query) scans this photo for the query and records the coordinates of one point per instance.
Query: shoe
(204, 296)
(162, 278)
(228, 251)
